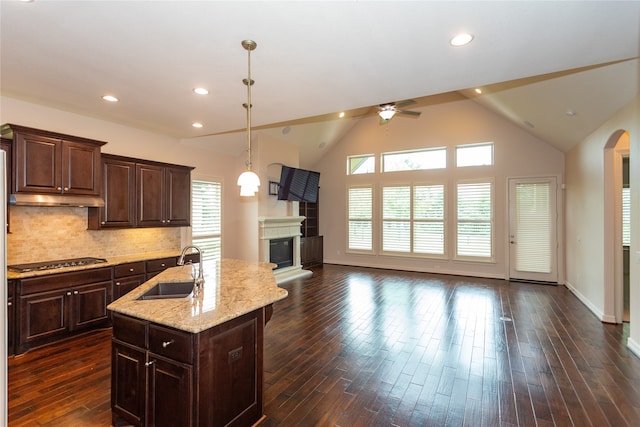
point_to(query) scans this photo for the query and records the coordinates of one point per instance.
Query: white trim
(584, 300)
(633, 346)
(277, 228)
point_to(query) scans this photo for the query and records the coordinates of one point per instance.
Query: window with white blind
(474, 220)
(360, 232)
(413, 219)
(206, 218)
(626, 216)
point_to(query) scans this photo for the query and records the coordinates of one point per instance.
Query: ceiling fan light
(386, 114)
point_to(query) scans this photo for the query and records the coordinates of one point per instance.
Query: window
(206, 218)
(360, 200)
(434, 158)
(474, 228)
(474, 155)
(413, 219)
(626, 216)
(361, 164)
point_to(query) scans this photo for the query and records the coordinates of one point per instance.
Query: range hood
(26, 199)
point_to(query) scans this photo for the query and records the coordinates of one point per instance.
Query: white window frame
(383, 157)
(491, 221)
(199, 238)
(364, 220)
(471, 147)
(366, 157)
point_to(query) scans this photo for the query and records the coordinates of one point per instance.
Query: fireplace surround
(276, 229)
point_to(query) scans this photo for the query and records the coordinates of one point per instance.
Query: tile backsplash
(51, 233)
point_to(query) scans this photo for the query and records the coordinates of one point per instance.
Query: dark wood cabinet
(127, 277)
(158, 371)
(118, 189)
(311, 243)
(140, 193)
(50, 163)
(11, 318)
(157, 266)
(5, 145)
(311, 251)
(163, 195)
(57, 305)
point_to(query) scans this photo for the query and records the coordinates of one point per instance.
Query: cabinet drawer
(128, 269)
(170, 343)
(58, 281)
(157, 265)
(130, 330)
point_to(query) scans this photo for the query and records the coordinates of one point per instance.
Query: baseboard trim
(595, 310)
(633, 346)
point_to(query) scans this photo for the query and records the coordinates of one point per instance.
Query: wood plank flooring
(367, 347)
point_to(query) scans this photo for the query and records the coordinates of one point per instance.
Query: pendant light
(248, 180)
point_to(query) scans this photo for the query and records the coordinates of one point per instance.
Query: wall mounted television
(298, 185)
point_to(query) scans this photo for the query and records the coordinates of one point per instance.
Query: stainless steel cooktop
(52, 265)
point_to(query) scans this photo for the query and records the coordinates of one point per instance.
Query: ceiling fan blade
(404, 103)
(409, 112)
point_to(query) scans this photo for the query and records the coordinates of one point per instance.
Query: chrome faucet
(199, 281)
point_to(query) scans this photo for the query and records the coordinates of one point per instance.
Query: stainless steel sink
(164, 290)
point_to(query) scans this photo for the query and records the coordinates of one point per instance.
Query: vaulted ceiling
(558, 69)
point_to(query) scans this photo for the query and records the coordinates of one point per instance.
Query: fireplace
(280, 245)
(281, 252)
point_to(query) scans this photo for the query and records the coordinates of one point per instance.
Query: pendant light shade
(248, 180)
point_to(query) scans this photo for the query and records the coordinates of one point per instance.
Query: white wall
(128, 141)
(589, 227)
(458, 121)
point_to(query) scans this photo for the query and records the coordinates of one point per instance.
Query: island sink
(168, 290)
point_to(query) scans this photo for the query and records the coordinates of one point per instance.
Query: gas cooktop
(52, 265)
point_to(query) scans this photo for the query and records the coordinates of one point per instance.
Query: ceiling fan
(390, 109)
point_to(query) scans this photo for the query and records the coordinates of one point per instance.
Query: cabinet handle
(117, 283)
(59, 188)
(162, 265)
(69, 293)
(166, 344)
(9, 303)
(103, 223)
(149, 363)
(66, 188)
(131, 270)
(75, 292)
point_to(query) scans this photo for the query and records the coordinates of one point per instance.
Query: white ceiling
(535, 60)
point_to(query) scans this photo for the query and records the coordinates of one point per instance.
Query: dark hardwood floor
(366, 347)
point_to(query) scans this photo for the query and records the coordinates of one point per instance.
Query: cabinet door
(128, 382)
(43, 316)
(80, 168)
(119, 193)
(38, 164)
(150, 192)
(90, 304)
(10, 326)
(127, 284)
(178, 196)
(170, 399)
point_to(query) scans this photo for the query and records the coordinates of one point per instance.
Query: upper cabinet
(140, 193)
(164, 195)
(51, 163)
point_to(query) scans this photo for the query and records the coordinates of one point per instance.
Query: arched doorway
(615, 150)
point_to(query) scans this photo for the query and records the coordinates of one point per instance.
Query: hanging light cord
(249, 45)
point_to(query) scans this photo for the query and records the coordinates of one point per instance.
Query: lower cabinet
(57, 305)
(157, 372)
(11, 318)
(311, 251)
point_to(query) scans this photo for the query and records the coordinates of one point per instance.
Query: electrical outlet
(235, 355)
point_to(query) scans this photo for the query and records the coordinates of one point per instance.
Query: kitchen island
(196, 360)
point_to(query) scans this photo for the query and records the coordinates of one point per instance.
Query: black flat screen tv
(298, 185)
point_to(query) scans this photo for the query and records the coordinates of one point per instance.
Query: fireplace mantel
(277, 228)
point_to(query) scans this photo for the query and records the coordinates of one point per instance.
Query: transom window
(433, 158)
(361, 164)
(474, 155)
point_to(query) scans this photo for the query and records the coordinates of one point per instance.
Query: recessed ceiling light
(110, 98)
(478, 90)
(341, 115)
(201, 91)
(286, 130)
(196, 125)
(571, 112)
(461, 39)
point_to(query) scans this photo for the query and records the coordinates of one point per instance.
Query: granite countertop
(232, 288)
(111, 261)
